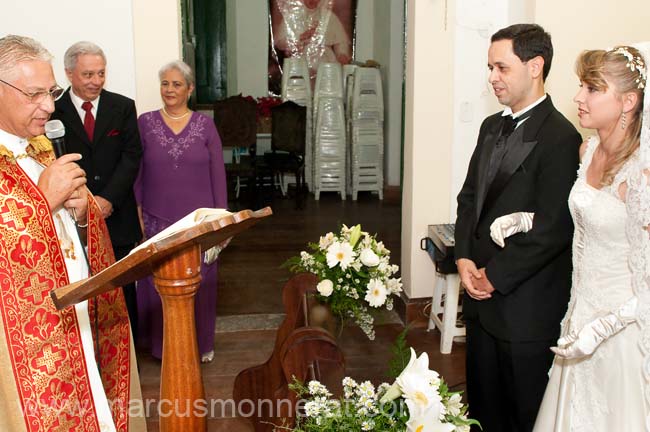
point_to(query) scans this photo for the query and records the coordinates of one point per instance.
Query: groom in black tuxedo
(103, 127)
(525, 160)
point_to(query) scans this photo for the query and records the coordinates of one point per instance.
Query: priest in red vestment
(68, 370)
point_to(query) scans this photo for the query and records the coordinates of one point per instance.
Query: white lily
(326, 240)
(454, 405)
(417, 367)
(394, 286)
(426, 421)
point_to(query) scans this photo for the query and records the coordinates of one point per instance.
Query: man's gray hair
(16, 49)
(180, 66)
(80, 48)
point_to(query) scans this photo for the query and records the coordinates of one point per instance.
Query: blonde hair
(16, 49)
(593, 67)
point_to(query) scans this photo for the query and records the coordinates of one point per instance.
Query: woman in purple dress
(182, 169)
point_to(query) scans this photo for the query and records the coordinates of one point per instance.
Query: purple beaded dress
(178, 174)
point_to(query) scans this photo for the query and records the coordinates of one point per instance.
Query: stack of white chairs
(329, 132)
(348, 89)
(367, 133)
(296, 87)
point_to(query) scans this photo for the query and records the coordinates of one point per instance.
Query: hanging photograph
(316, 30)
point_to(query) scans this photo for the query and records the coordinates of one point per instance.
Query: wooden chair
(289, 122)
(235, 119)
(301, 351)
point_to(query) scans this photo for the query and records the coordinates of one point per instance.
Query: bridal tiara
(634, 63)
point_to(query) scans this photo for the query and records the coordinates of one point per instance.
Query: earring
(623, 120)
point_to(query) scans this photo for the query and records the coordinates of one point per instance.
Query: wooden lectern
(175, 263)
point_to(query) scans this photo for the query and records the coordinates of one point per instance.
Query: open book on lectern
(205, 227)
(197, 217)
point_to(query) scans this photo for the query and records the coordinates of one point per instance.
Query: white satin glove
(585, 341)
(507, 225)
(212, 254)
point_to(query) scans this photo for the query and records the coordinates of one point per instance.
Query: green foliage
(401, 354)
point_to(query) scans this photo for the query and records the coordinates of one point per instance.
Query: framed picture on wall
(317, 30)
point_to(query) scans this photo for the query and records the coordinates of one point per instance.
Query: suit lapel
(521, 143)
(518, 150)
(102, 122)
(490, 140)
(71, 117)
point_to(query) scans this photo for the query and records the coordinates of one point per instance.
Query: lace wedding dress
(603, 391)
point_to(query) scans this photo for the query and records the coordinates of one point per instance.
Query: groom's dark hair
(528, 41)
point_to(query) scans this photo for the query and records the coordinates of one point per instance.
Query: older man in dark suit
(525, 161)
(102, 127)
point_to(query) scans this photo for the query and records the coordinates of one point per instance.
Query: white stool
(444, 302)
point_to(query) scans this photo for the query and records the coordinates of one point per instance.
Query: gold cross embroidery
(67, 424)
(15, 215)
(49, 359)
(36, 288)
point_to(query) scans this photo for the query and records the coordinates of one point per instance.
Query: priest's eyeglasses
(39, 96)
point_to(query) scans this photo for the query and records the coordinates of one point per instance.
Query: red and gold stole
(44, 344)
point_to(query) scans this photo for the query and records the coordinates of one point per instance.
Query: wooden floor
(250, 307)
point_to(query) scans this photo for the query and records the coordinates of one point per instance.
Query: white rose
(369, 258)
(325, 287)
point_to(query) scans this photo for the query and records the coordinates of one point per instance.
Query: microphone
(55, 132)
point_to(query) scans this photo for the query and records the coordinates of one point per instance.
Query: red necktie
(89, 120)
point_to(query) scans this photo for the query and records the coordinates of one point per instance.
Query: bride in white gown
(600, 376)
(597, 381)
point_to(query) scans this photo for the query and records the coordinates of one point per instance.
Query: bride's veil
(638, 223)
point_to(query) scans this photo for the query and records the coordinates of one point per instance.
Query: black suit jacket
(532, 274)
(111, 160)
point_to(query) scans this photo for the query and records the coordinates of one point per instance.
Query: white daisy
(376, 294)
(340, 253)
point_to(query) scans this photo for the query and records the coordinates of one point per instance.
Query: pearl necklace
(175, 118)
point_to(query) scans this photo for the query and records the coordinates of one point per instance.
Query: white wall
(365, 33)
(594, 24)
(157, 40)
(428, 135)
(231, 46)
(251, 34)
(57, 25)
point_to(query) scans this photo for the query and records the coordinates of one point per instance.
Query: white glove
(212, 254)
(585, 342)
(507, 225)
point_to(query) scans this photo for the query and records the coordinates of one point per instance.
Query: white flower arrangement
(354, 273)
(418, 401)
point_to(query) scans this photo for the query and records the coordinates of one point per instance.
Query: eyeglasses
(39, 96)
